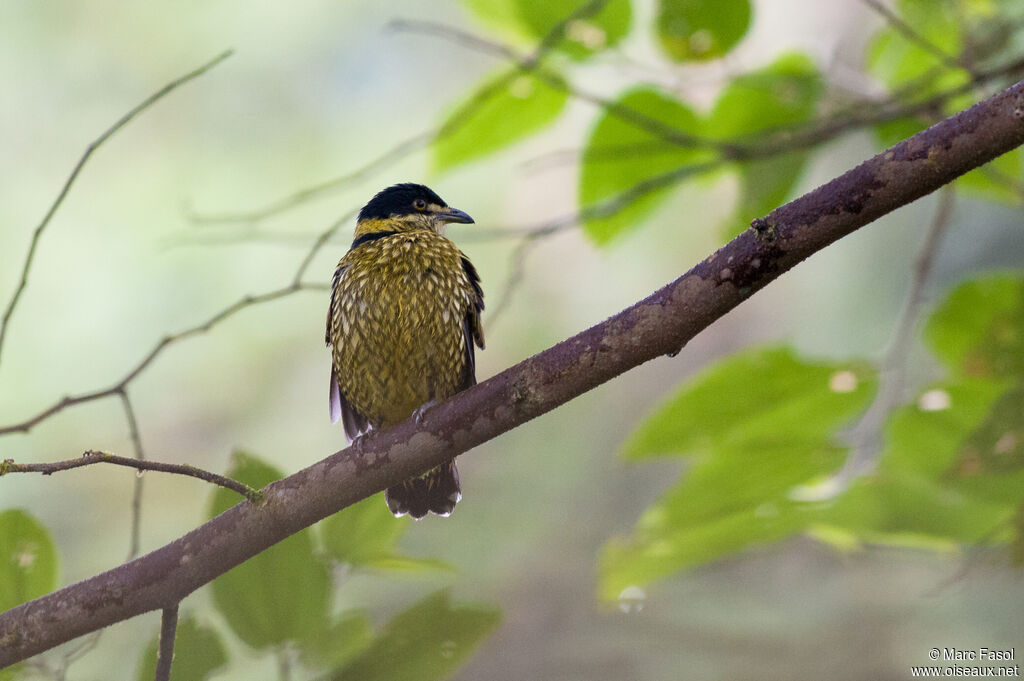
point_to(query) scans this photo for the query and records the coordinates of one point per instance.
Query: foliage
(951, 472)
(28, 560)
(756, 424)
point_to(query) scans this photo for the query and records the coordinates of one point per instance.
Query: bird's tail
(436, 491)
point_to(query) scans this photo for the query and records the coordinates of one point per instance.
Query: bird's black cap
(398, 200)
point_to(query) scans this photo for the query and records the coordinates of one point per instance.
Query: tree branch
(658, 325)
(165, 654)
(93, 457)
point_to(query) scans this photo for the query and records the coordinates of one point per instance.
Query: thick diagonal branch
(660, 324)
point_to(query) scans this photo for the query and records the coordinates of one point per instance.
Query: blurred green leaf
(410, 564)
(28, 559)
(998, 180)
(996, 446)
(784, 400)
(198, 653)
(893, 132)
(531, 21)
(757, 424)
(979, 329)
(282, 594)
(340, 642)
(764, 185)
(427, 642)
(898, 61)
(920, 495)
(701, 29)
(505, 109)
(11, 673)
(618, 155)
(782, 94)
(365, 535)
(362, 533)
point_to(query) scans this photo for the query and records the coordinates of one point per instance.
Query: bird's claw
(358, 442)
(421, 411)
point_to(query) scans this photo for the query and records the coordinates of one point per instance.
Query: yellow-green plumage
(403, 320)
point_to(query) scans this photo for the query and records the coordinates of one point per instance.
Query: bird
(403, 327)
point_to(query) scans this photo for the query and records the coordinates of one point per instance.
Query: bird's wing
(354, 422)
(472, 328)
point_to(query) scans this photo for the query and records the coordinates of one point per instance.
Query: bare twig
(386, 159)
(93, 146)
(161, 345)
(93, 457)
(165, 654)
(517, 267)
(136, 515)
(318, 244)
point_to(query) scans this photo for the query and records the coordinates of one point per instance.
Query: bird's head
(406, 207)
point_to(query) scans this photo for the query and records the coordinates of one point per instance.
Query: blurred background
(317, 89)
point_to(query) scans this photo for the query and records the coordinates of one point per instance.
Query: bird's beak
(455, 215)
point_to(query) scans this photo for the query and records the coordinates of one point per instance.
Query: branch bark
(658, 325)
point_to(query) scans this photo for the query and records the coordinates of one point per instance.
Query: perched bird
(404, 317)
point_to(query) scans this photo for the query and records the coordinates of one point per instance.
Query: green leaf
(362, 533)
(410, 565)
(893, 132)
(282, 594)
(365, 535)
(922, 494)
(339, 643)
(619, 155)
(198, 653)
(701, 29)
(11, 673)
(765, 185)
(628, 565)
(998, 180)
(28, 559)
(782, 94)
(505, 109)
(784, 400)
(427, 642)
(757, 425)
(532, 21)
(979, 329)
(898, 61)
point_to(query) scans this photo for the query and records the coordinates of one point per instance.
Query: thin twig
(93, 146)
(388, 158)
(93, 457)
(908, 32)
(318, 244)
(161, 345)
(865, 438)
(168, 631)
(517, 268)
(136, 512)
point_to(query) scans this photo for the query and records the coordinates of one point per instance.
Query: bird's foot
(358, 442)
(421, 411)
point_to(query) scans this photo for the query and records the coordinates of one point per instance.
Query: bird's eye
(419, 204)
